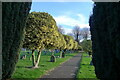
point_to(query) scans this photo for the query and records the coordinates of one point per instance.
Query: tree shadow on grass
(20, 66)
(87, 64)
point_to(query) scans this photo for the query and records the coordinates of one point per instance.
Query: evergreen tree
(13, 24)
(104, 25)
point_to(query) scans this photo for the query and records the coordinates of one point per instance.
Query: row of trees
(42, 33)
(82, 36)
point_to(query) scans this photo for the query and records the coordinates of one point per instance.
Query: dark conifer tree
(105, 25)
(13, 24)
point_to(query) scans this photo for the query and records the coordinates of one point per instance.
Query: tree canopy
(69, 41)
(41, 31)
(87, 45)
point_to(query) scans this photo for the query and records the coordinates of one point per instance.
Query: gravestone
(52, 58)
(23, 57)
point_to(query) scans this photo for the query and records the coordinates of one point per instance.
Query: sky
(66, 14)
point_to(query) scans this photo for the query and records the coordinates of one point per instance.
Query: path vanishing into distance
(66, 70)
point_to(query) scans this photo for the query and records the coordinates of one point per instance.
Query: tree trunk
(13, 24)
(33, 58)
(61, 53)
(38, 59)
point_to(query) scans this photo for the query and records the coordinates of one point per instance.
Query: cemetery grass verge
(86, 70)
(44, 66)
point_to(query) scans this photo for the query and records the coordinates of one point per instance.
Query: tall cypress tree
(13, 24)
(104, 26)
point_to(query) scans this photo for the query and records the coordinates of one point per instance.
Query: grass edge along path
(55, 67)
(86, 71)
(66, 70)
(45, 66)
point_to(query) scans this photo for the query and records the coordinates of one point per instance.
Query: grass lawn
(45, 65)
(86, 70)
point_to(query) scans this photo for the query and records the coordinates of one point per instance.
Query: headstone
(23, 57)
(53, 58)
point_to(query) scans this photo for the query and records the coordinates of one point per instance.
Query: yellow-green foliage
(69, 41)
(80, 47)
(75, 45)
(41, 31)
(62, 42)
(87, 45)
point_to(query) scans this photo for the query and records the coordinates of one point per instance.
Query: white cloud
(69, 21)
(81, 18)
(65, 20)
(84, 25)
(67, 30)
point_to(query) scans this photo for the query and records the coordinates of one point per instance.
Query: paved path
(65, 70)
